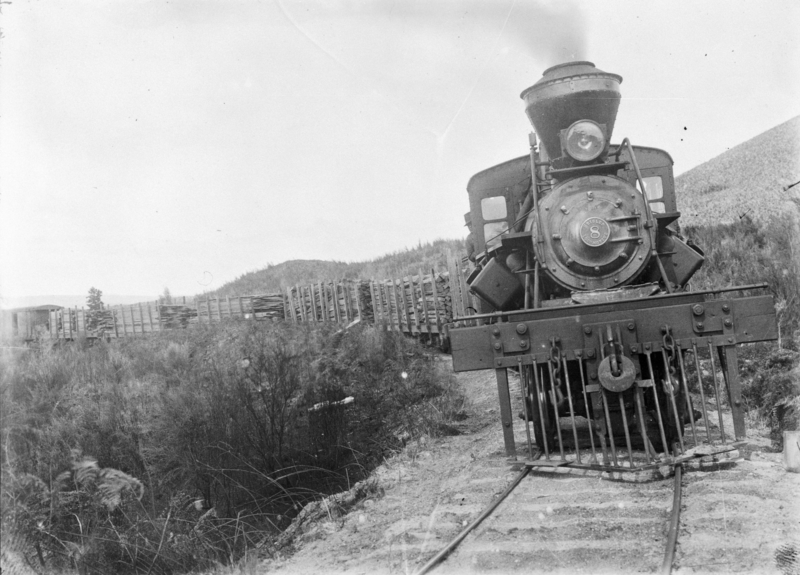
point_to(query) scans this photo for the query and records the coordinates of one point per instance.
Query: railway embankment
(741, 515)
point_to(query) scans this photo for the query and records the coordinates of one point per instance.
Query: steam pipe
(535, 196)
(649, 214)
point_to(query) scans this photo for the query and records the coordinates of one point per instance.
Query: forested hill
(750, 179)
(275, 278)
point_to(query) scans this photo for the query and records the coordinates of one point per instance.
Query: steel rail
(441, 555)
(674, 523)
(672, 536)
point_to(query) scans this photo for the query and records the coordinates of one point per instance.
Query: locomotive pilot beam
(582, 276)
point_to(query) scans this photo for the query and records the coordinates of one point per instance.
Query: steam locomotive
(582, 283)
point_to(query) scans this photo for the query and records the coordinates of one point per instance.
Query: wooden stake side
(387, 295)
(357, 293)
(150, 317)
(466, 302)
(122, 316)
(335, 290)
(404, 303)
(436, 302)
(326, 309)
(301, 303)
(290, 299)
(396, 300)
(424, 301)
(348, 305)
(375, 317)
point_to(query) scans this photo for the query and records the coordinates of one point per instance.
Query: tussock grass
(745, 252)
(200, 444)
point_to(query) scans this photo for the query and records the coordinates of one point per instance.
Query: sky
(179, 144)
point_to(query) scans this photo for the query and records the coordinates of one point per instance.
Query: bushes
(213, 423)
(744, 253)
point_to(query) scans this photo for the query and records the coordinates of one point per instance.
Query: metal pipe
(671, 389)
(638, 404)
(702, 393)
(686, 393)
(716, 392)
(523, 379)
(625, 428)
(651, 225)
(571, 410)
(589, 420)
(658, 406)
(555, 408)
(527, 280)
(610, 430)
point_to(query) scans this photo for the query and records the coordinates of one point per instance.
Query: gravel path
(736, 517)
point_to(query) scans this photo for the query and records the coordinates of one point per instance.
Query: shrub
(745, 253)
(202, 441)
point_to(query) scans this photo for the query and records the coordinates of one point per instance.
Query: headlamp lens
(585, 140)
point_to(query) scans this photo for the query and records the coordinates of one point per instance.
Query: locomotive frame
(582, 277)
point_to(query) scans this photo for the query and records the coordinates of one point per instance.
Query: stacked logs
(411, 302)
(176, 316)
(417, 304)
(364, 301)
(269, 306)
(327, 301)
(99, 322)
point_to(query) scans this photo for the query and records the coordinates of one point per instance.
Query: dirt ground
(738, 516)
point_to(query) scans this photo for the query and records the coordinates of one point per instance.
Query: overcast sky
(180, 144)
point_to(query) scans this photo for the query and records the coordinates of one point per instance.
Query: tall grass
(189, 449)
(742, 253)
(745, 252)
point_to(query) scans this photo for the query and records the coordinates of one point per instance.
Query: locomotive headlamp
(584, 140)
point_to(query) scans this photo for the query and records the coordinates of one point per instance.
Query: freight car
(583, 280)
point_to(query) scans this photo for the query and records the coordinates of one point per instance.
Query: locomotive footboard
(616, 381)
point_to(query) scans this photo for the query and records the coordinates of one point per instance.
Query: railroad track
(572, 522)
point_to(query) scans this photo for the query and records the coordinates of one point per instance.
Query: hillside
(750, 178)
(747, 179)
(274, 278)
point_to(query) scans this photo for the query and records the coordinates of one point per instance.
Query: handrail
(648, 213)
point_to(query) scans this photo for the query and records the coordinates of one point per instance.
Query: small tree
(94, 301)
(166, 297)
(94, 316)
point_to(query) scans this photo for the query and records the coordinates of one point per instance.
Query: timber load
(419, 305)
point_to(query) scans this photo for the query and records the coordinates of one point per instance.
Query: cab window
(494, 214)
(494, 208)
(492, 232)
(654, 192)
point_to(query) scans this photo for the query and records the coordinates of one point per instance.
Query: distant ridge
(275, 278)
(70, 300)
(748, 179)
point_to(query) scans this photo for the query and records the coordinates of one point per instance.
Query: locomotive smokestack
(567, 93)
